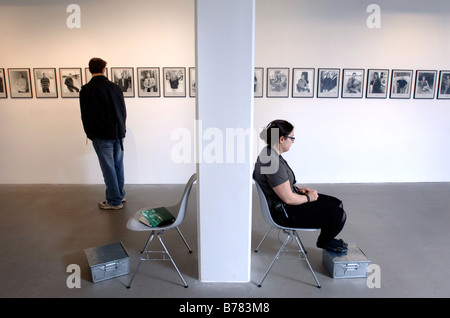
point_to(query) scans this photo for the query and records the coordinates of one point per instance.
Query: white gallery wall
(43, 139)
(361, 140)
(338, 139)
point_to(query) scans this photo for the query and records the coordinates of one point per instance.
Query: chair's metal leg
(264, 237)
(149, 240)
(171, 259)
(275, 258)
(302, 249)
(184, 240)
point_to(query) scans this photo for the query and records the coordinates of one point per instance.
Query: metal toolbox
(108, 261)
(353, 263)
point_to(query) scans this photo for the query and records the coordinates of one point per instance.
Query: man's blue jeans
(110, 156)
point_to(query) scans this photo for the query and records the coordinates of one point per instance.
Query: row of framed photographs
(45, 81)
(378, 83)
(330, 83)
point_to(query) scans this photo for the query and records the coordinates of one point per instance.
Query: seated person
(290, 205)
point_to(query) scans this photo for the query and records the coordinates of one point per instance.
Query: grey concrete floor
(402, 227)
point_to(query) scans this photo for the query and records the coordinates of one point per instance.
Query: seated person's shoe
(340, 242)
(333, 246)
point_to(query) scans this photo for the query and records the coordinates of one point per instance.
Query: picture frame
(425, 84)
(258, 82)
(20, 83)
(174, 81)
(192, 82)
(352, 83)
(328, 82)
(401, 84)
(124, 77)
(3, 92)
(303, 82)
(88, 75)
(277, 82)
(70, 81)
(377, 83)
(45, 82)
(148, 79)
(444, 85)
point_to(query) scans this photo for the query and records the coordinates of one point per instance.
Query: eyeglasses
(290, 137)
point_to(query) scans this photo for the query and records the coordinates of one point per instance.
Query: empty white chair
(179, 211)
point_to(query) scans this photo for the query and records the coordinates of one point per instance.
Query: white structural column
(224, 70)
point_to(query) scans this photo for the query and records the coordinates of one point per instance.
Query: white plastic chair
(179, 211)
(289, 232)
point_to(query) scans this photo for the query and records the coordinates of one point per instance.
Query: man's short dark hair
(96, 65)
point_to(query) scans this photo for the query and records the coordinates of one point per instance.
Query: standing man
(103, 114)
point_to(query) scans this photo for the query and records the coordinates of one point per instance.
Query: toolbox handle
(110, 267)
(351, 267)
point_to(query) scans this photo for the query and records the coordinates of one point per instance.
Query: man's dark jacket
(103, 110)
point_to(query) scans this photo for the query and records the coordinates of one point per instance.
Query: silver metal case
(354, 263)
(108, 261)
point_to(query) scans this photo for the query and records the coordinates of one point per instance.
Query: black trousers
(327, 214)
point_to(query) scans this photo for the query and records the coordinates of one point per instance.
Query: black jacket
(103, 110)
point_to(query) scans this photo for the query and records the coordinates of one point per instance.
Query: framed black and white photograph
(192, 82)
(352, 83)
(328, 82)
(258, 82)
(174, 81)
(401, 83)
(148, 82)
(70, 82)
(303, 82)
(277, 82)
(124, 77)
(88, 75)
(3, 93)
(444, 85)
(377, 83)
(20, 83)
(45, 82)
(425, 84)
